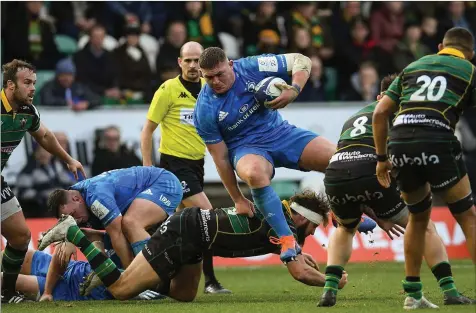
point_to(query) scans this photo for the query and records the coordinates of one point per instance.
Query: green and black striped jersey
(241, 236)
(15, 124)
(433, 91)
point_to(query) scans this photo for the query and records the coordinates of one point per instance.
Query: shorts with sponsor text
(348, 196)
(178, 242)
(417, 162)
(283, 151)
(10, 204)
(189, 172)
(165, 191)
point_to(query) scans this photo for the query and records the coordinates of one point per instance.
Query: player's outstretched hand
(46, 297)
(310, 261)
(74, 166)
(343, 281)
(390, 228)
(65, 250)
(288, 94)
(383, 173)
(245, 207)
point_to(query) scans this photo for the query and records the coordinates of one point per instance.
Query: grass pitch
(372, 287)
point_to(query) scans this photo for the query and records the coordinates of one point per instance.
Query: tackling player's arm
(308, 275)
(380, 121)
(48, 141)
(299, 66)
(158, 109)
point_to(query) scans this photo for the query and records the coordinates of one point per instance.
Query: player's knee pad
(421, 206)
(462, 205)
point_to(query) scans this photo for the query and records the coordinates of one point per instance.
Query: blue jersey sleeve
(266, 65)
(204, 118)
(102, 204)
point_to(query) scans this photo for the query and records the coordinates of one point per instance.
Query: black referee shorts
(190, 173)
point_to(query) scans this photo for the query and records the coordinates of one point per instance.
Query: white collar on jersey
(307, 214)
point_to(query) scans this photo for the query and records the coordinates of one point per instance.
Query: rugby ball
(266, 90)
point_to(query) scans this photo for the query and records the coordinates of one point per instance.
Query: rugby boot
(56, 233)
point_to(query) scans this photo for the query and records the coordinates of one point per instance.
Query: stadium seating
(66, 44)
(42, 77)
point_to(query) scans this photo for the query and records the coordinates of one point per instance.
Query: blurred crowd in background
(115, 53)
(120, 52)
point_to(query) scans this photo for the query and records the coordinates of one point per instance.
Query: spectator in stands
(40, 176)
(28, 36)
(64, 91)
(314, 91)
(71, 17)
(96, 67)
(170, 50)
(131, 12)
(111, 154)
(200, 27)
(64, 142)
(134, 73)
(341, 23)
(301, 41)
(387, 25)
(364, 84)
(304, 16)
(457, 15)
(410, 48)
(358, 49)
(429, 38)
(264, 31)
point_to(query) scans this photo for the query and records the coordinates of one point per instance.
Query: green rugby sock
(102, 265)
(413, 287)
(333, 276)
(12, 261)
(444, 276)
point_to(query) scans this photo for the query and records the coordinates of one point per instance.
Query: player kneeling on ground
(351, 175)
(124, 202)
(170, 262)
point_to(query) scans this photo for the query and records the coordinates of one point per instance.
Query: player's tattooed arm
(48, 141)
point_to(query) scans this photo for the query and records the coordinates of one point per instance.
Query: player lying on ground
(124, 202)
(430, 95)
(350, 184)
(170, 262)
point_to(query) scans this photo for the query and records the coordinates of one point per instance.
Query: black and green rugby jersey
(15, 125)
(433, 92)
(241, 236)
(357, 130)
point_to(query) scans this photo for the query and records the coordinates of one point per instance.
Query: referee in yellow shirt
(182, 150)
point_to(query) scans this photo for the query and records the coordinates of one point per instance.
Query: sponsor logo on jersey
(423, 160)
(99, 210)
(367, 196)
(165, 200)
(222, 115)
(183, 95)
(243, 108)
(185, 188)
(250, 86)
(245, 116)
(7, 149)
(7, 193)
(352, 156)
(186, 116)
(408, 119)
(22, 123)
(205, 214)
(268, 64)
(445, 183)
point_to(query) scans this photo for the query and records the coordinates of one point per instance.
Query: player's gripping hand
(383, 173)
(74, 166)
(391, 228)
(65, 250)
(288, 94)
(343, 281)
(245, 207)
(46, 297)
(310, 261)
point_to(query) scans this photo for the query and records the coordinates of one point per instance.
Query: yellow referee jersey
(172, 107)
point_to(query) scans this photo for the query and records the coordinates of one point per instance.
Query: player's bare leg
(184, 285)
(419, 204)
(211, 282)
(339, 251)
(26, 266)
(316, 154)
(27, 285)
(15, 230)
(141, 215)
(256, 171)
(460, 202)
